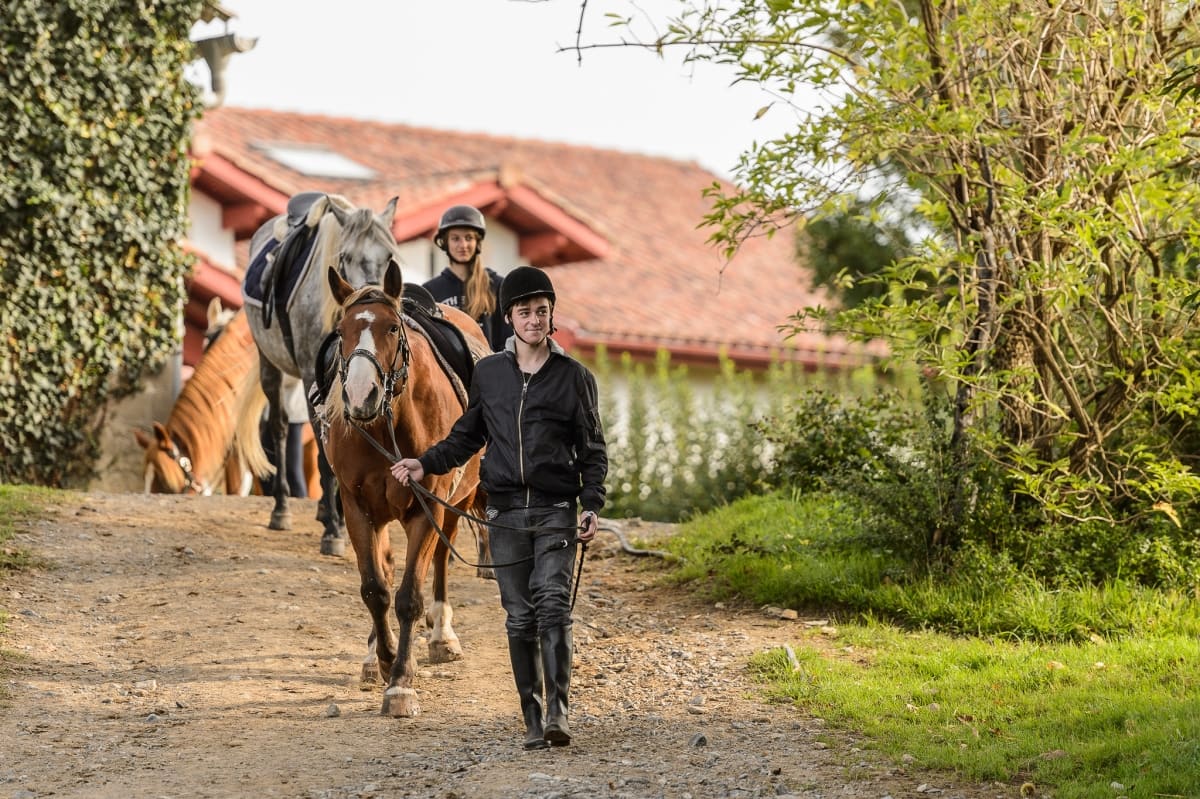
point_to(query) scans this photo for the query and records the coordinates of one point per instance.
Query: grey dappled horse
(289, 332)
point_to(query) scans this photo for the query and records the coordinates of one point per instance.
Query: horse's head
(165, 469)
(373, 347)
(366, 246)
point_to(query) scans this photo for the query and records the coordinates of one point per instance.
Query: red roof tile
(660, 283)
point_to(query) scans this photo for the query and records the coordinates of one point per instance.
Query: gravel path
(175, 647)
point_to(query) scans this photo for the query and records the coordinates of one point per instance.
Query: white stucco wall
(206, 233)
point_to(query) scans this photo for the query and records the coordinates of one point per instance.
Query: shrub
(96, 117)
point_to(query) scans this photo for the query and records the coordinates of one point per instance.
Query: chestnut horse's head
(165, 468)
(373, 347)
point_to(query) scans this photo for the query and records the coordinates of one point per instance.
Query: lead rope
(421, 493)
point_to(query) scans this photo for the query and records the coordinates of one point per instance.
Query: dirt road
(176, 647)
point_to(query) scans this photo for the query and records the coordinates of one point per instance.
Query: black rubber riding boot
(556, 660)
(527, 671)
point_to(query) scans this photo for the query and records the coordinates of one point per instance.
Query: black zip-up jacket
(447, 288)
(545, 443)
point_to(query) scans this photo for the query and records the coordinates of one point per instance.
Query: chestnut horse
(391, 390)
(188, 454)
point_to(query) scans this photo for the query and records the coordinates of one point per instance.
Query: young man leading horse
(536, 408)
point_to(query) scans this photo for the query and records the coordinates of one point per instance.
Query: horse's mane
(205, 414)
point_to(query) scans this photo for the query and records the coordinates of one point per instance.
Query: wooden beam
(542, 249)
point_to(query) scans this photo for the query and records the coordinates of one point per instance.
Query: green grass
(17, 503)
(991, 678)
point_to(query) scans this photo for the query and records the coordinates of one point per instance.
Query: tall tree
(1056, 166)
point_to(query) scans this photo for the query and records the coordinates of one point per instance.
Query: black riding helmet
(459, 216)
(522, 283)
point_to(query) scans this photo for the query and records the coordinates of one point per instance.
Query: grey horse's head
(366, 245)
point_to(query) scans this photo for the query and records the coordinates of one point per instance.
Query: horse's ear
(340, 289)
(214, 312)
(393, 280)
(388, 216)
(339, 213)
(160, 432)
(142, 439)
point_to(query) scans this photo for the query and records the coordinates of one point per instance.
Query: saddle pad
(291, 256)
(252, 282)
(449, 342)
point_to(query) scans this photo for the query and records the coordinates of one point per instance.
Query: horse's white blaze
(442, 614)
(361, 375)
(148, 477)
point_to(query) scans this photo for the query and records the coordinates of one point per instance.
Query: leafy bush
(820, 433)
(96, 117)
(898, 466)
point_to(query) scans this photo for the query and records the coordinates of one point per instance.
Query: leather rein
(399, 377)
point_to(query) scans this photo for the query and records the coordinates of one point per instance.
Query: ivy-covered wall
(95, 118)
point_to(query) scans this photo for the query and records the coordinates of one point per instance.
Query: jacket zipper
(525, 378)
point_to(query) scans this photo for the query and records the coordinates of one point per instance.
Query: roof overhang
(707, 354)
(246, 200)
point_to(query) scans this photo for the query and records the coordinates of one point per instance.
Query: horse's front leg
(444, 645)
(276, 432)
(400, 698)
(373, 551)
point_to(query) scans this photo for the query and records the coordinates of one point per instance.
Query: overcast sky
(490, 66)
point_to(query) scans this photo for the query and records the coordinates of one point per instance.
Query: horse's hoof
(370, 676)
(281, 520)
(400, 703)
(331, 545)
(445, 651)
(485, 574)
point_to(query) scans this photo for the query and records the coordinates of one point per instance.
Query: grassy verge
(16, 503)
(1088, 693)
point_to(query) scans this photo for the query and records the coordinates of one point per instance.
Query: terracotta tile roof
(659, 284)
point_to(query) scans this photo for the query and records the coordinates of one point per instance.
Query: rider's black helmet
(522, 283)
(459, 216)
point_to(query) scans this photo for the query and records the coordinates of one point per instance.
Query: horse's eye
(395, 330)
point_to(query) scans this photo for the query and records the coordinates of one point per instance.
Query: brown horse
(188, 453)
(193, 452)
(390, 390)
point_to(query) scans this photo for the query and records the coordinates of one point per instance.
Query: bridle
(185, 465)
(391, 378)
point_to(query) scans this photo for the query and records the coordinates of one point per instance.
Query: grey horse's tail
(247, 443)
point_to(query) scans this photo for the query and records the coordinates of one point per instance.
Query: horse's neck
(204, 417)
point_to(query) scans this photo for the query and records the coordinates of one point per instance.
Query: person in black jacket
(466, 284)
(535, 408)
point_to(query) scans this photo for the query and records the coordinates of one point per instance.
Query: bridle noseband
(185, 465)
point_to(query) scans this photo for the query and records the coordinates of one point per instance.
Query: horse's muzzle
(367, 408)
